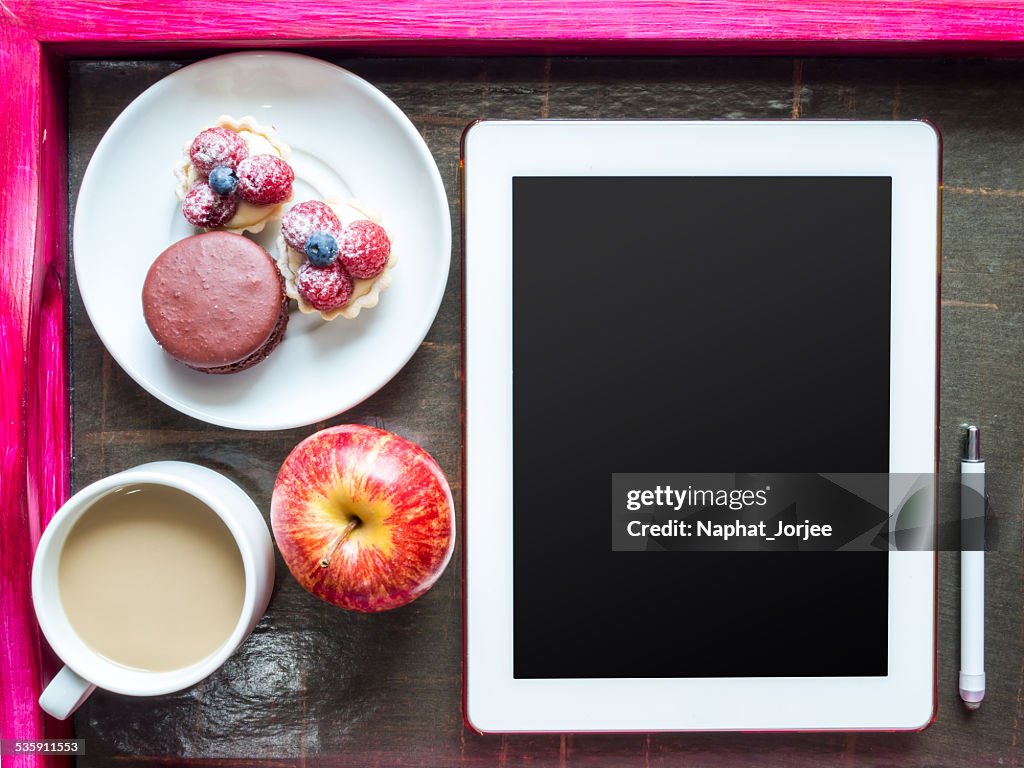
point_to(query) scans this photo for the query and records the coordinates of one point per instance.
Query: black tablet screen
(711, 324)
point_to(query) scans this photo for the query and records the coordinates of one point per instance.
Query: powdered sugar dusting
(306, 218)
(217, 146)
(365, 248)
(325, 288)
(265, 180)
(202, 207)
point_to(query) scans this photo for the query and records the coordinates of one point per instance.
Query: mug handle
(65, 694)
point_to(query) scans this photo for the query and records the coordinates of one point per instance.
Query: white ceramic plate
(347, 140)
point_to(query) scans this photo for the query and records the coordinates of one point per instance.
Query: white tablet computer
(695, 297)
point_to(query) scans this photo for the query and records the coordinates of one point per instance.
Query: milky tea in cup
(151, 578)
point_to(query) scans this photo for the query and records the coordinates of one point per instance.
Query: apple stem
(338, 541)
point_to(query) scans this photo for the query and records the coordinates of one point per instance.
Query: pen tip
(972, 705)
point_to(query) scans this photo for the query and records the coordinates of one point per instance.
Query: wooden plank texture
(529, 25)
(318, 686)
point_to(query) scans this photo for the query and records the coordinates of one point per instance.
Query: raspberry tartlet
(234, 176)
(335, 257)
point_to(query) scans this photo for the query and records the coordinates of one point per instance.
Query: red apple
(363, 518)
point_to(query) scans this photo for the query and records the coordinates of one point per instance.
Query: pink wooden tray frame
(36, 36)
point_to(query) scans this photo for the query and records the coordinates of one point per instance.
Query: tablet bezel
(496, 151)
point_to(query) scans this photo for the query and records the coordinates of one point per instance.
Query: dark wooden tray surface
(316, 685)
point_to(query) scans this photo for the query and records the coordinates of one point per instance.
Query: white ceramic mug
(84, 669)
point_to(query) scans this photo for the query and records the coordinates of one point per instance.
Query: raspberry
(326, 288)
(264, 180)
(205, 208)
(306, 218)
(365, 248)
(217, 146)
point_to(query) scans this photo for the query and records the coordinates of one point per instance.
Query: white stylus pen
(972, 572)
